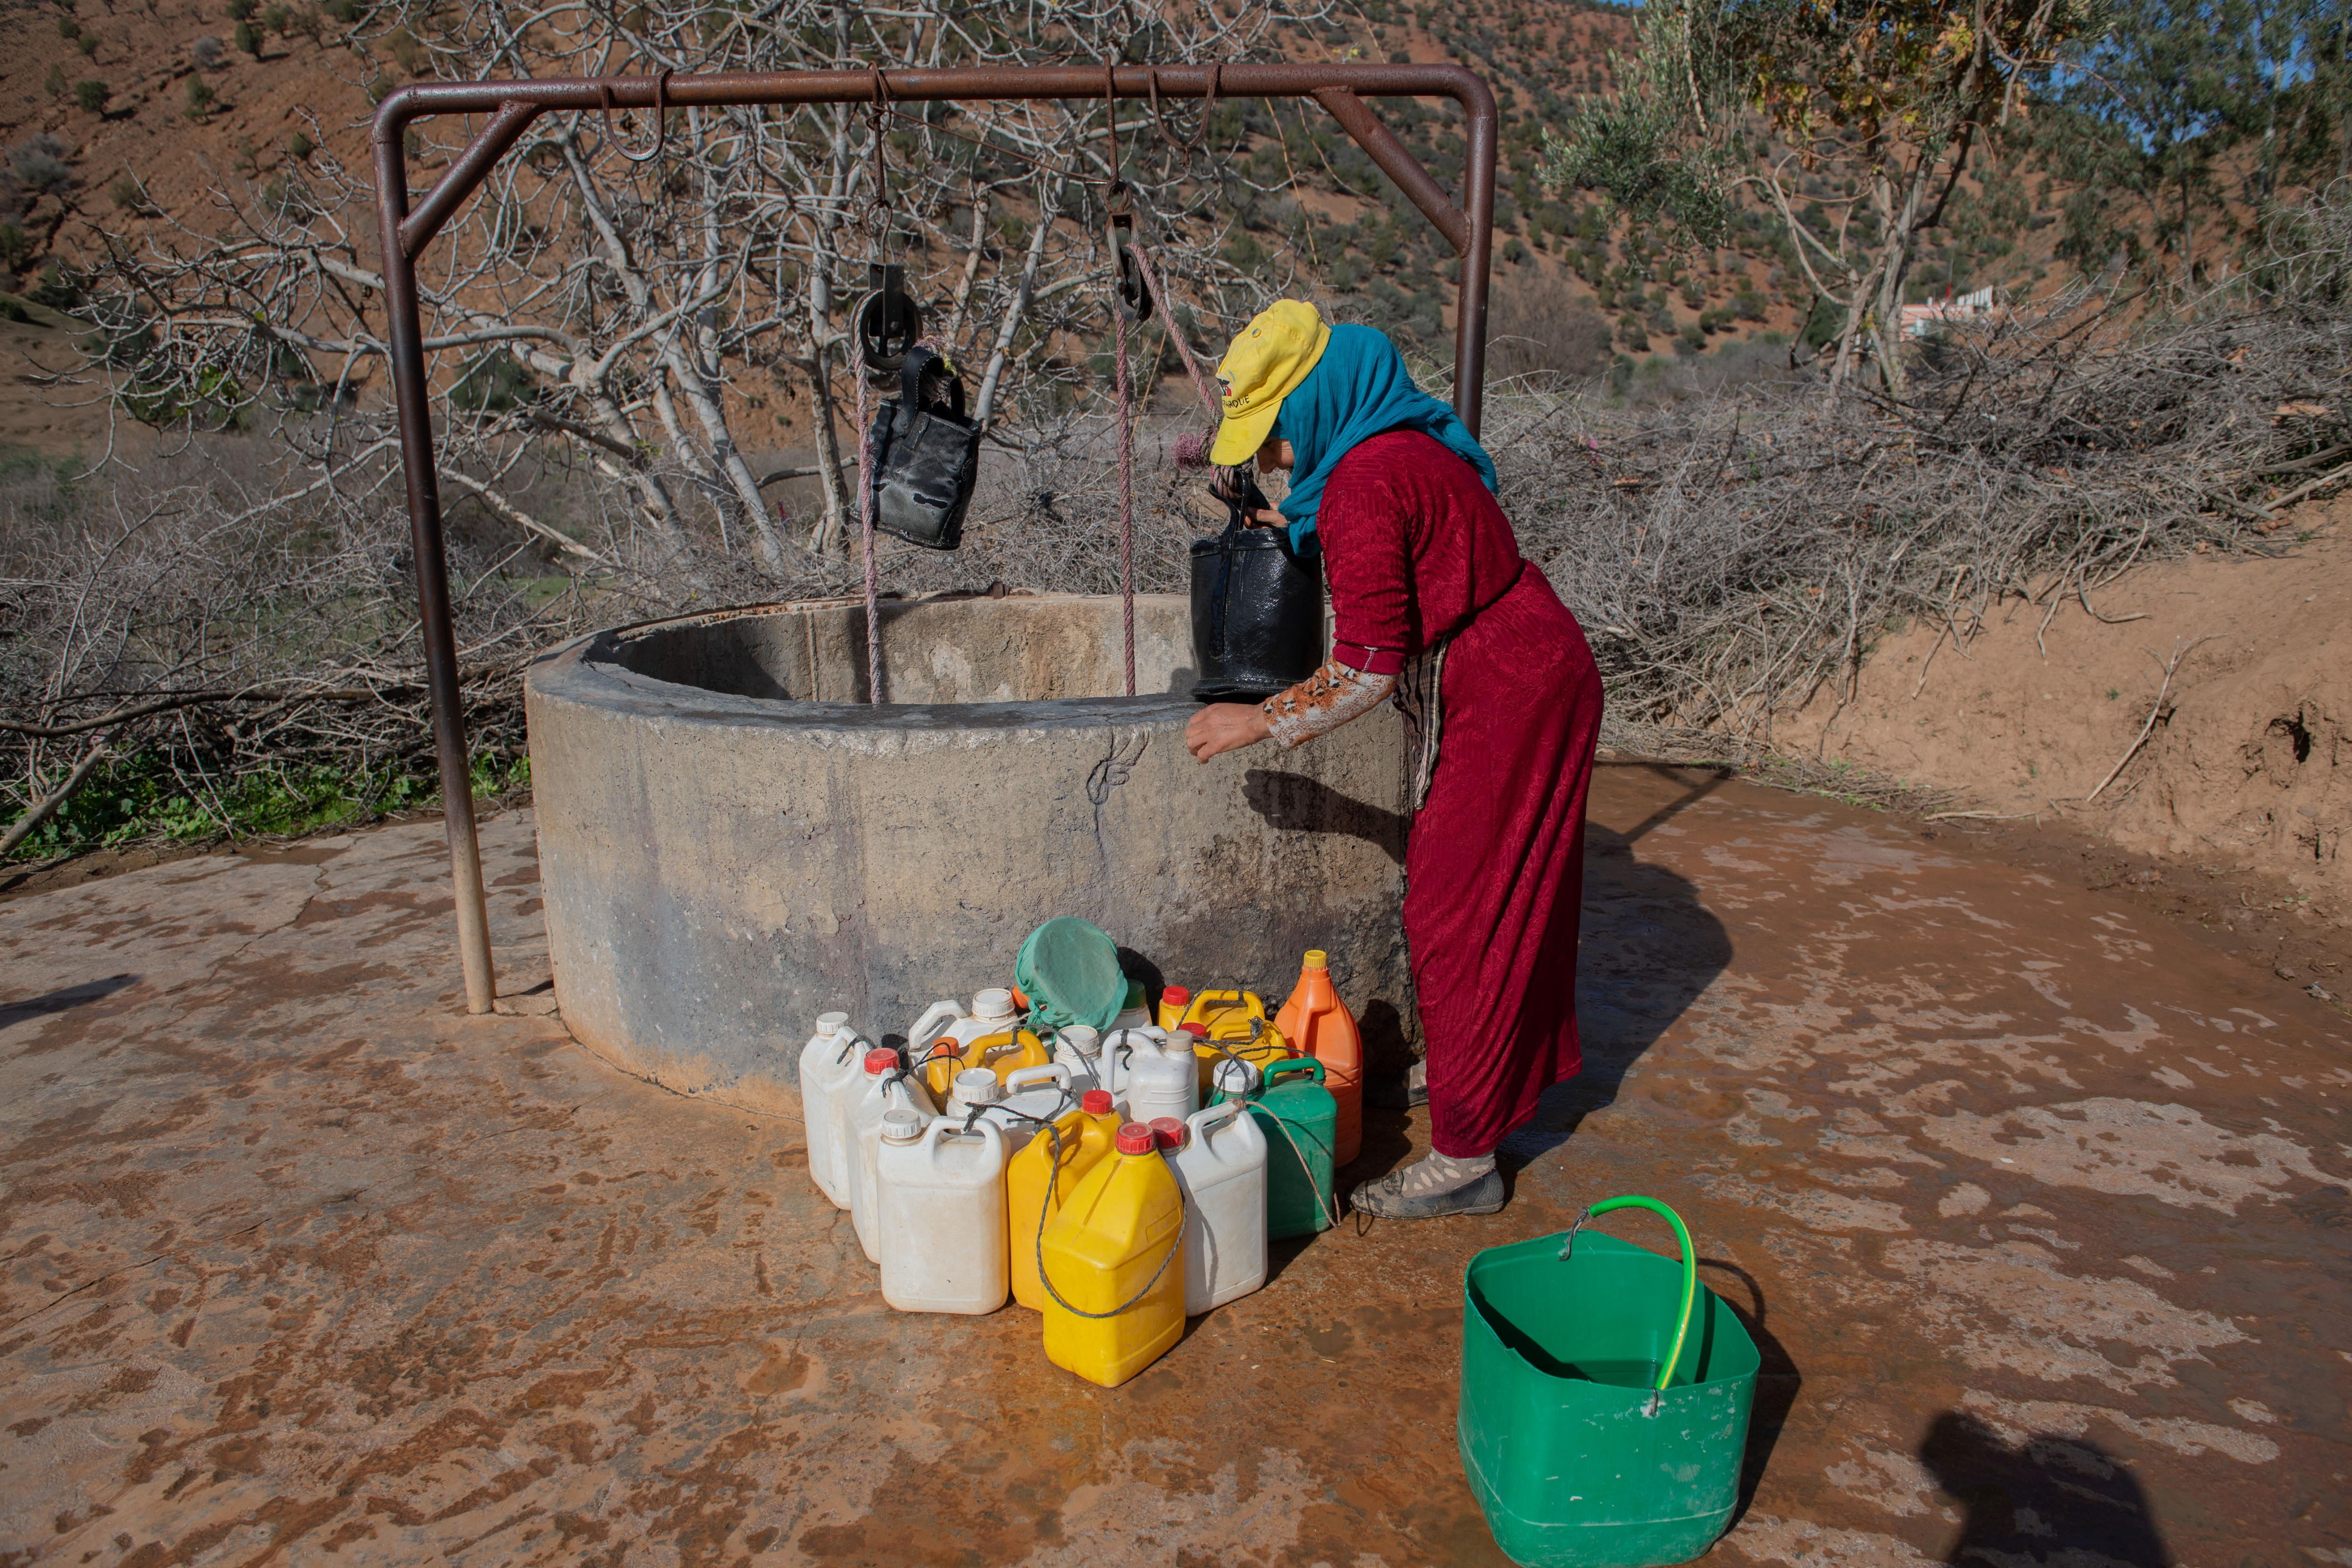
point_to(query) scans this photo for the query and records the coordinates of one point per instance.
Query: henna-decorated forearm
(1323, 702)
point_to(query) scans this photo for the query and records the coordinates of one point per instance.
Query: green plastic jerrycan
(1603, 1417)
(1300, 1120)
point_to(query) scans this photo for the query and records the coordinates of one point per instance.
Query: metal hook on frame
(661, 117)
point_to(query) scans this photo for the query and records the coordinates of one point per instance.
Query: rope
(865, 513)
(1126, 492)
(878, 214)
(1168, 321)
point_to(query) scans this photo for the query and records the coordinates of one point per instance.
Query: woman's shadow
(1648, 949)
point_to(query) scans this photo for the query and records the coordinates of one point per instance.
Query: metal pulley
(1133, 298)
(889, 321)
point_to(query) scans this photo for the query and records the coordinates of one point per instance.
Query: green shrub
(58, 288)
(248, 38)
(238, 10)
(200, 98)
(301, 148)
(92, 96)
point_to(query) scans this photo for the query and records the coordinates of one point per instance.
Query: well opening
(941, 649)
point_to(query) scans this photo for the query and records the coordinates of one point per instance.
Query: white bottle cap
(991, 1006)
(829, 1024)
(1079, 1037)
(1236, 1078)
(900, 1125)
(979, 1086)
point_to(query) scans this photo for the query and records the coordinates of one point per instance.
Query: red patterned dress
(1418, 555)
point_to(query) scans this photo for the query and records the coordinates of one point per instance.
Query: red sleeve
(1368, 562)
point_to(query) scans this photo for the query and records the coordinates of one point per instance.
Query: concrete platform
(2040, 1213)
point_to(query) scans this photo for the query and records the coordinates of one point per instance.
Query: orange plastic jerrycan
(1317, 1023)
(1113, 1269)
(1035, 1186)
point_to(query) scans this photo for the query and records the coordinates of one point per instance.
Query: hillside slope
(2211, 695)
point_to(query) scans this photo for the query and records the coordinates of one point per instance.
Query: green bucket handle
(1690, 1271)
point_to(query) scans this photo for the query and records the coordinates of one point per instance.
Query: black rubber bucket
(1257, 614)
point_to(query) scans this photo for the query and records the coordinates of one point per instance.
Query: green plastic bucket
(1301, 1121)
(1582, 1453)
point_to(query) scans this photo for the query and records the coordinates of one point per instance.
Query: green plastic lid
(1068, 968)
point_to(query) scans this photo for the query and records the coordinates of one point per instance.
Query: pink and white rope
(1126, 489)
(866, 515)
(1183, 349)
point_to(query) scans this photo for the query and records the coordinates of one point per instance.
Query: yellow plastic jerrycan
(1114, 1273)
(1003, 1054)
(1032, 1195)
(1236, 1021)
(1007, 1053)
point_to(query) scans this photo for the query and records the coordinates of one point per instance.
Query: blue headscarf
(1357, 390)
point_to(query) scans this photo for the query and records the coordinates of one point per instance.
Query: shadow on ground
(1649, 949)
(2045, 1498)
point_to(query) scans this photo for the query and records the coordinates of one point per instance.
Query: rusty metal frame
(1341, 89)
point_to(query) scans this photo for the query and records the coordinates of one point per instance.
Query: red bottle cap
(1135, 1138)
(1167, 1132)
(879, 1060)
(1176, 997)
(1197, 1029)
(1095, 1102)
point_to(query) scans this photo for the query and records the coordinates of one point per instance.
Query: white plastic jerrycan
(934, 1023)
(992, 1013)
(1019, 1104)
(1162, 1078)
(884, 1088)
(968, 1094)
(1044, 1092)
(831, 1061)
(942, 1214)
(1079, 1049)
(1220, 1165)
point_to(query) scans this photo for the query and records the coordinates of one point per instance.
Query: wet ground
(2038, 1206)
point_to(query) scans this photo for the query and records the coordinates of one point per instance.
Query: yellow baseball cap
(1267, 361)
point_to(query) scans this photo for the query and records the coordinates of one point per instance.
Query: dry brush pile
(1734, 556)
(226, 638)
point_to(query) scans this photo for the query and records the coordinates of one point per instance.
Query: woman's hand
(1223, 727)
(1266, 517)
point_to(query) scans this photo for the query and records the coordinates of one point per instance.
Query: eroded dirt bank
(2037, 1205)
(2248, 763)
